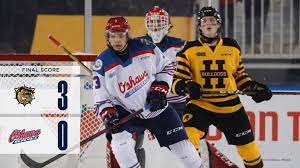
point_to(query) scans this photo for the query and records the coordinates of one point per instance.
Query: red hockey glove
(110, 117)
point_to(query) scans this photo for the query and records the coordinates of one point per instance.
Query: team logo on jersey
(133, 84)
(98, 65)
(209, 73)
(24, 95)
(18, 136)
(187, 117)
(112, 74)
(201, 54)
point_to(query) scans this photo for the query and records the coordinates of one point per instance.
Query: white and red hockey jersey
(127, 83)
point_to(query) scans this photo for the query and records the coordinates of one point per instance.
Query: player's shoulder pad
(141, 43)
(103, 60)
(190, 44)
(231, 42)
(146, 40)
(175, 41)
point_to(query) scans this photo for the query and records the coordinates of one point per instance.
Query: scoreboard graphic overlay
(40, 109)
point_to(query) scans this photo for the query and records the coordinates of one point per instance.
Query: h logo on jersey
(209, 74)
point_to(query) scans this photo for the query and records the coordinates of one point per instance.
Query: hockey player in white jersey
(157, 23)
(128, 75)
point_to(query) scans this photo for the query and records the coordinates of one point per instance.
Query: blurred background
(267, 30)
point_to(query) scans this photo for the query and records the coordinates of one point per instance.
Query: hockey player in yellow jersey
(213, 63)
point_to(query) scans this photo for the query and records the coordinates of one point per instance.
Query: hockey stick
(249, 93)
(33, 164)
(60, 45)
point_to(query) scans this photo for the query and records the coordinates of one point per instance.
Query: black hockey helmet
(208, 11)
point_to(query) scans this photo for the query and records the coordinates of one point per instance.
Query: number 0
(63, 89)
(62, 138)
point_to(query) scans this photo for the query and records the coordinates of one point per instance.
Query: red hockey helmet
(117, 24)
(157, 23)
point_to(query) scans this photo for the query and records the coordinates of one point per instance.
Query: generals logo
(24, 95)
(18, 136)
(98, 65)
(133, 84)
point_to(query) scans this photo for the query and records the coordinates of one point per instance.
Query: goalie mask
(117, 24)
(157, 24)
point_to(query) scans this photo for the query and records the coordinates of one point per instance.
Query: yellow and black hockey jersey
(220, 69)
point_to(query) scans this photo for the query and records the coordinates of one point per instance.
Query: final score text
(40, 69)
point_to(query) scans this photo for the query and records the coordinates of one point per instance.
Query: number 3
(63, 89)
(97, 82)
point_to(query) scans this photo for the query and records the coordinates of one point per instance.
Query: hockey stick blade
(34, 164)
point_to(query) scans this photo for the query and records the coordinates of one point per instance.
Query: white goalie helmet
(157, 23)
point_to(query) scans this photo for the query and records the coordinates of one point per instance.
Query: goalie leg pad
(251, 155)
(123, 148)
(185, 151)
(194, 136)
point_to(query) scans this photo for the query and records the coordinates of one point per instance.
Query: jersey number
(210, 73)
(97, 82)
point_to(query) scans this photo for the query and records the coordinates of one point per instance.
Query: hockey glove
(262, 92)
(157, 97)
(110, 117)
(193, 89)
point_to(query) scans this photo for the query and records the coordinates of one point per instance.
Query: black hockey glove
(157, 97)
(110, 117)
(262, 92)
(193, 89)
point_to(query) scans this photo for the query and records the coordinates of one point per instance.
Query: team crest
(98, 65)
(24, 95)
(187, 117)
